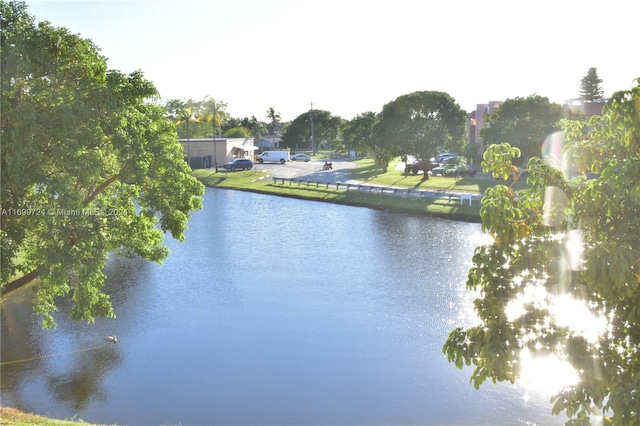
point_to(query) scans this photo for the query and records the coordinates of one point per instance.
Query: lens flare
(575, 249)
(559, 156)
(555, 202)
(552, 150)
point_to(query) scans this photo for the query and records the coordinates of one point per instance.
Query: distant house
(268, 143)
(208, 152)
(582, 107)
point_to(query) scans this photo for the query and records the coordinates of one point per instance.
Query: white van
(275, 156)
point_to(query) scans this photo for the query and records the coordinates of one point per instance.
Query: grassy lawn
(368, 172)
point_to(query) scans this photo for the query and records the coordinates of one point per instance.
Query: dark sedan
(239, 164)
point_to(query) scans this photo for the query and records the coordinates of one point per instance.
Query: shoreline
(373, 204)
(261, 182)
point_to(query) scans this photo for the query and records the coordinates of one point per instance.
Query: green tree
(562, 276)
(298, 133)
(470, 151)
(186, 116)
(90, 165)
(173, 107)
(237, 132)
(421, 123)
(590, 88)
(213, 112)
(523, 123)
(257, 128)
(274, 118)
(357, 134)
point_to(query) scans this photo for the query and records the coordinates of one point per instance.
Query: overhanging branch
(20, 282)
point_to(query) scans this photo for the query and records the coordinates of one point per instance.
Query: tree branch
(89, 198)
(27, 278)
(20, 282)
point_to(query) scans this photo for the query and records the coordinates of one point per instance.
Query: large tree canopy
(421, 123)
(523, 123)
(326, 128)
(90, 165)
(357, 134)
(562, 276)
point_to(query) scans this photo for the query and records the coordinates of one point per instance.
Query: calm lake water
(274, 311)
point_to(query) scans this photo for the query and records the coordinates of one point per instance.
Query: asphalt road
(312, 170)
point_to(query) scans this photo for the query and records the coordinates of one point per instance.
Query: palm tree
(186, 115)
(258, 128)
(213, 111)
(275, 118)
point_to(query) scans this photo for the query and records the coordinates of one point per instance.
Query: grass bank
(13, 417)
(368, 173)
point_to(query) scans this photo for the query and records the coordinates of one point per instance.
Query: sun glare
(576, 316)
(566, 310)
(550, 373)
(546, 374)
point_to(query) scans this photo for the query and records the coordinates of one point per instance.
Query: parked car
(417, 166)
(459, 170)
(301, 157)
(450, 160)
(443, 156)
(239, 164)
(438, 170)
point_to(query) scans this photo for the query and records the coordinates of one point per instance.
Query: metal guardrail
(385, 190)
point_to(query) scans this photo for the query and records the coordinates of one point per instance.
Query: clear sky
(352, 56)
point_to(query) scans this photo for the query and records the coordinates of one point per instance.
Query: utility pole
(313, 144)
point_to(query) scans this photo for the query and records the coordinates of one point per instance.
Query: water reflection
(70, 362)
(82, 383)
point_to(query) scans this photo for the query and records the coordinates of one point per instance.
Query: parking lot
(312, 170)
